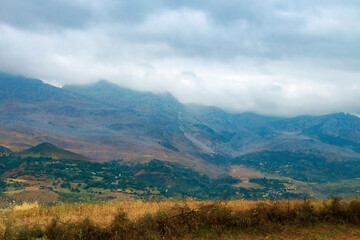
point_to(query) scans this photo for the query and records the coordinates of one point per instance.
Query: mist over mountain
(283, 58)
(101, 122)
(104, 121)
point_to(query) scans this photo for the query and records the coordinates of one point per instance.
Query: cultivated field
(295, 219)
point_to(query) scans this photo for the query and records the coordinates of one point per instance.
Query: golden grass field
(30, 215)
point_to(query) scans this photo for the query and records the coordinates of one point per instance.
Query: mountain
(104, 121)
(117, 124)
(48, 150)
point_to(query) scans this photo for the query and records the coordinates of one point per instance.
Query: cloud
(276, 57)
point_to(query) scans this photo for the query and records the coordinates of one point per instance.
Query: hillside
(103, 122)
(48, 174)
(49, 181)
(48, 150)
(108, 122)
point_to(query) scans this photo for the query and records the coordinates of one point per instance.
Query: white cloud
(277, 57)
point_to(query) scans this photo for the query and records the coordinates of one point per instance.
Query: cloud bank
(275, 57)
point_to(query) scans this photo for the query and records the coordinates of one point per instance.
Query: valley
(52, 180)
(71, 144)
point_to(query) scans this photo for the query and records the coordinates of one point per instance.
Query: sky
(273, 57)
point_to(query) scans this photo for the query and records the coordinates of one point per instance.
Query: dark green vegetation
(209, 221)
(76, 180)
(79, 180)
(300, 166)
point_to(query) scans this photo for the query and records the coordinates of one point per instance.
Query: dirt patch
(27, 181)
(41, 196)
(245, 174)
(140, 173)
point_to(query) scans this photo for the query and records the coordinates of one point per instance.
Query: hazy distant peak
(343, 115)
(27, 89)
(105, 84)
(167, 95)
(19, 79)
(100, 83)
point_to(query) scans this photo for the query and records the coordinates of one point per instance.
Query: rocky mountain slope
(104, 122)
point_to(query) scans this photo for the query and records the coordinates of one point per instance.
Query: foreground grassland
(295, 219)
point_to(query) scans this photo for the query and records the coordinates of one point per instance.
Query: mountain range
(103, 122)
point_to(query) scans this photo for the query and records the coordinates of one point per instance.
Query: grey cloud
(37, 14)
(273, 57)
(269, 29)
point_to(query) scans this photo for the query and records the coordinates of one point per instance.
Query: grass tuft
(26, 206)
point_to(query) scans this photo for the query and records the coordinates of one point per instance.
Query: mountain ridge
(104, 121)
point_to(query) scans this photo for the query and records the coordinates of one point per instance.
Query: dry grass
(26, 206)
(99, 213)
(103, 213)
(295, 219)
